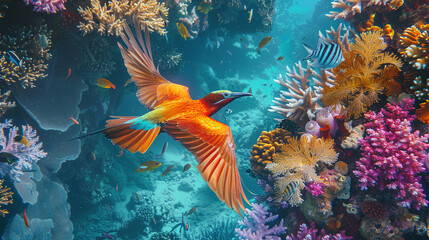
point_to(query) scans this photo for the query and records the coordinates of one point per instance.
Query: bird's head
(218, 99)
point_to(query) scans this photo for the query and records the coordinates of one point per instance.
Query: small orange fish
(74, 120)
(68, 74)
(93, 156)
(148, 166)
(280, 58)
(264, 42)
(182, 30)
(154, 221)
(187, 226)
(128, 82)
(26, 220)
(104, 83)
(120, 153)
(117, 187)
(137, 196)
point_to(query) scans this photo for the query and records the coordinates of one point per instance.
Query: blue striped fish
(328, 54)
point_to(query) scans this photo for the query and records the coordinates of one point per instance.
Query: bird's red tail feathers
(127, 138)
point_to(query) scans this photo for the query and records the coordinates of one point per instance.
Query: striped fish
(328, 54)
(289, 191)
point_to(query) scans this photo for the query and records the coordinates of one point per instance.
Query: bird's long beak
(235, 95)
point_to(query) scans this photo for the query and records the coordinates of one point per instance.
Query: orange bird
(187, 121)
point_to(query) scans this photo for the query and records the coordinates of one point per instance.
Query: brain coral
(263, 152)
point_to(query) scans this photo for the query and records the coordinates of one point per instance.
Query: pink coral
(315, 188)
(48, 6)
(391, 154)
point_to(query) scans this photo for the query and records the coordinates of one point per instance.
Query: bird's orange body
(187, 121)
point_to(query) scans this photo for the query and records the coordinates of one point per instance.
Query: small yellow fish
(148, 166)
(263, 42)
(250, 15)
(280, 58)
(182, 30)
(169, 168)
(104, 83)
(186, 167)
(191, 211)
(128, 82)
(21, 139)
(205, 7)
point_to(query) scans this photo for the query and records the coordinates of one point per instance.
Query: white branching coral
(109, 19)
(300, 101)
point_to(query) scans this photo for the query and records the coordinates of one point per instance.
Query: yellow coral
(263, 152)
(296, 163)
(415, 45)
(359, 78)
(109, 19)
(5, 197)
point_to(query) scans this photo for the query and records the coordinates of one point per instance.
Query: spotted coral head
(218, 99)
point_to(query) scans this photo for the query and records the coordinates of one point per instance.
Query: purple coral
(26, 154)
(256, 228)
(311, 234)
(48, 6)
(391, 154)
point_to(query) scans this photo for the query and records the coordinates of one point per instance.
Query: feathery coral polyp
(48, 6)
(296, 163)
(360, 78)
(391, 154)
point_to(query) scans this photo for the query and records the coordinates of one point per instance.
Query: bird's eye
(226, 94)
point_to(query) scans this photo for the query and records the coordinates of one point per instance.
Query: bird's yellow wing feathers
(212, 144)
(153, 89)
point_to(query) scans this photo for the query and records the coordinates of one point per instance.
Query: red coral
(374, 209)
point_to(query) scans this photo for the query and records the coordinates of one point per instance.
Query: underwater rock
(39, 229)
(185, 187)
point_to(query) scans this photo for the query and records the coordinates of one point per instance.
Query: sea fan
(296, 163)
(360, 77)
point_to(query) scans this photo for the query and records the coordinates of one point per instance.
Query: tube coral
(391, 154)
(109, 19)
(26, 154)
(296, 163)
(48, 6)
(256, 225)
(5, 197)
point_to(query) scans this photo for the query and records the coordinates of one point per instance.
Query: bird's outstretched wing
(212, 144)
(153, 89)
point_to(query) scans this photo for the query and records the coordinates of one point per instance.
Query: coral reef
(4, 106)
(255, 226)
(47, 6)
(311, 234)
(165, 236)
(414, 45)
(193, 23)
(101, 59)
(359, 78)
(31, 45)
(263, 152)
(295, 165)
(24, 153)
(391, 154)
(5, 197)
(373, 209)
(109, 19)
(300, 102)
